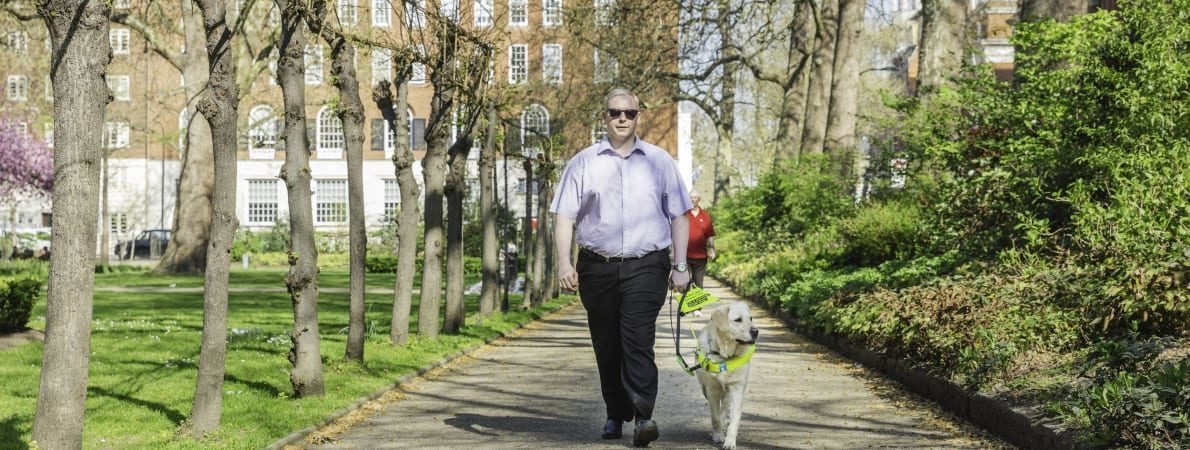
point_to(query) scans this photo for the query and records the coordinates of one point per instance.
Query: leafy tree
(26, 169)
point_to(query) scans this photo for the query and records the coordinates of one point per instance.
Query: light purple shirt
(622, 205)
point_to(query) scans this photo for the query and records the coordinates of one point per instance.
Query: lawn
(145, 348)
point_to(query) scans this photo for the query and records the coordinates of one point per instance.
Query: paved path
(539, 389)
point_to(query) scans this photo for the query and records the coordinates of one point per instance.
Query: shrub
(879, 232)
(17, 296)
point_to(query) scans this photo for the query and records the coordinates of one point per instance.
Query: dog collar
(728, 365)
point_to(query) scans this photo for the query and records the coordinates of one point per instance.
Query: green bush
(17, 297)
(880, 232)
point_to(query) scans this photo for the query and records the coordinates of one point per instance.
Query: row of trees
(457, 61)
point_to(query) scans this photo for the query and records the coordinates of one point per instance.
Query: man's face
(620, 126)
(694, 198)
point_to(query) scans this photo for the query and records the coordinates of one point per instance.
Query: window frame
(16, 88)
(120, 40)
(262, 202)
(117, 135)
(546, 66)
(381, 9)
(330, 143)
(347, 11)
(515, 7)
(328, 209)
(313, 61)
(482, 9)
(547, 13)
(116, 82)
(518, 74)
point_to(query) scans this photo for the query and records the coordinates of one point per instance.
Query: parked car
(144, 244)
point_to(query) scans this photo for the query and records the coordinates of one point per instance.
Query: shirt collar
(638, 146)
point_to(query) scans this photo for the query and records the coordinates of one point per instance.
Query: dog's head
(733, 322)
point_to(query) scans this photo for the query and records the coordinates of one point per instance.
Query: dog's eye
(739, 319)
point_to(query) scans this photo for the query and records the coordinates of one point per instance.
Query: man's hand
(711, 253)
(567, 277)
(679, 280)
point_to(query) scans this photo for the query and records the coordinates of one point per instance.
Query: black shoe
(614, 429)
(645, 432)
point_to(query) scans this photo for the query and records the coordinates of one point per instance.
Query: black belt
(590, 255)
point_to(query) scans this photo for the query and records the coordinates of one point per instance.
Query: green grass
(145, 348)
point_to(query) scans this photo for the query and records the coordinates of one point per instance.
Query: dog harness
(697, 299)
(728, 365)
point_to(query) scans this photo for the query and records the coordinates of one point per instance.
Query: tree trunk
(187, 248)
(527, 289)
(942, 43)
(844, 98)
(396, 113)
(351, 112)
(821, 72)
(434, 172)
(79, 36)
(791, 123)
(488, 214)
(219, 107)
(725, 123)
(302, 279)
(540, 244)
(456, 190)
(105, 215)
(550, 273)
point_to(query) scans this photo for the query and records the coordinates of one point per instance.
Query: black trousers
(623, 300)
(698, 270)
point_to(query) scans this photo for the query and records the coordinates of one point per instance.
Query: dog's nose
(755, 332)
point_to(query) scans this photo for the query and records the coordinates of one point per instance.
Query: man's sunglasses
(613, 113)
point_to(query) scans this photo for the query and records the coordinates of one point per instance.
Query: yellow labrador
(725, 347)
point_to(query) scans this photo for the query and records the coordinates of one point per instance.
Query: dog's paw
(729, 444)
(717, 438)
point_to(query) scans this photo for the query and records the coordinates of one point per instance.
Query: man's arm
(563, 232)
(679, 230)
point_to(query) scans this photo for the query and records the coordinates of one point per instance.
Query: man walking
(702, 240)
(629, 203)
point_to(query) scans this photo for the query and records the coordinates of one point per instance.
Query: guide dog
(725, 347)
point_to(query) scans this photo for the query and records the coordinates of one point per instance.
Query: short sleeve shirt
(622, 206)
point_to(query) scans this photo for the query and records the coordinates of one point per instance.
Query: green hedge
(17, 297)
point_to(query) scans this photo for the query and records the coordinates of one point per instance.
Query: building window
(605, 12)
(483, 13)
(381, 13)
(418, 75)
(313, 60)
(47, 134)
(518, 13)
(382, 67)
(450, 10)
(552, 13)
(117, 135)
(415, 13)
(551, 63)
(120, 4)
(392, 198)
(535, 127)
(607, 68)
(330, 201)
(118, 223)
(520, 186)
(330, 134)
(518, 63)
(119, 85)
(18, 88)
(598, 131)
(119, 38)
(262, 132)
(20, 129)
(18, 42)
(262, 201)
(348, 14)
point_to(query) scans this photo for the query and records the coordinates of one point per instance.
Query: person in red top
(702, 240)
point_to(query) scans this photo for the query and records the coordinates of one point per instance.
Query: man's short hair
(618, 92)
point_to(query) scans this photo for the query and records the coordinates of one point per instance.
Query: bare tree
(350, 110)
(187, 248)
(79, 41)
(302, 280)
(456, 190)
(395, 112)
(219, 106)
(821, 73)
(487, 207)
